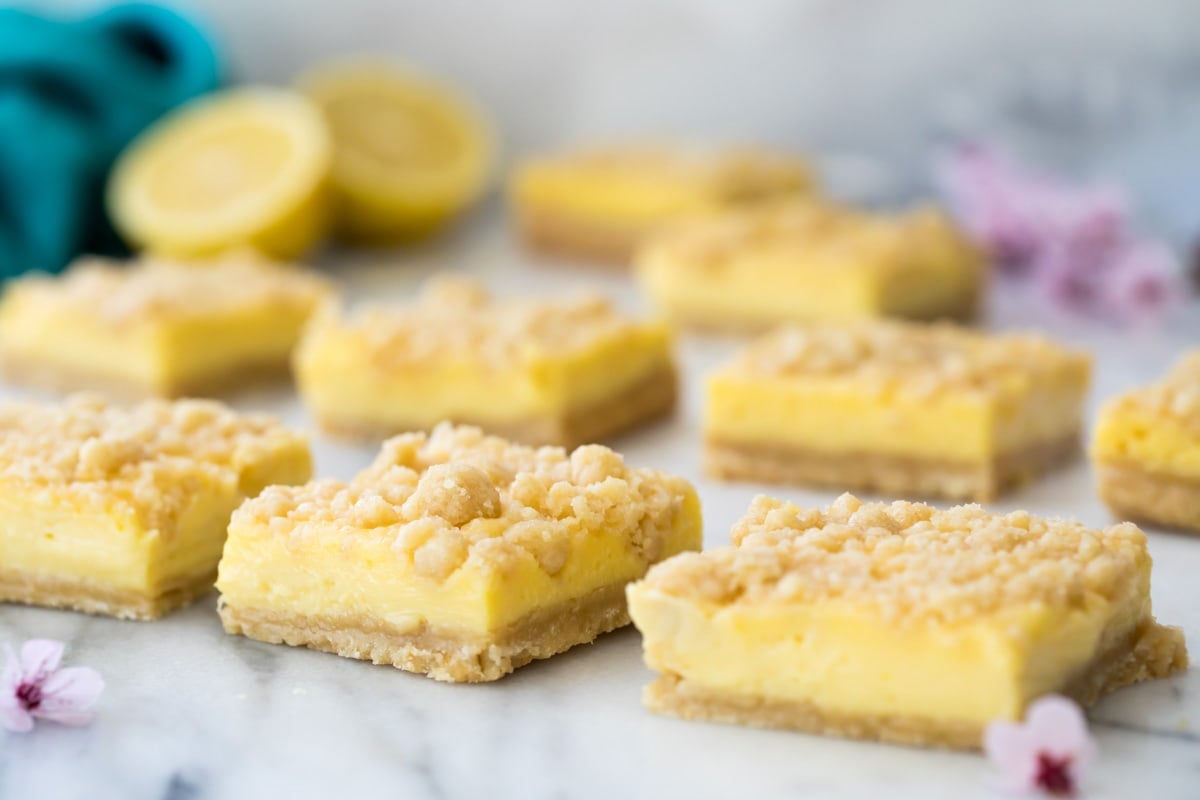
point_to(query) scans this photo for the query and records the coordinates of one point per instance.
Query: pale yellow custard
(554, 371)
(600, 204)
(810, 260)
(898, 407)
(456, 554)
(1146, 449)
(156, 327)
(123, 511)
(899, 621)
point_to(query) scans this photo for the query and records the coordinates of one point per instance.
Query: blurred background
(1109, 89)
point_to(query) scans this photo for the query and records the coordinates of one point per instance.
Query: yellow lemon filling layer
(634, 187)
(802, 261)
(845, 659)
(898, 389)
(368, 577)
(1154, 442)
(108, 546)
(342, 379)
(844, 418)
(157, 355)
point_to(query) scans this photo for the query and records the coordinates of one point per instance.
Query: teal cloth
(72, 95)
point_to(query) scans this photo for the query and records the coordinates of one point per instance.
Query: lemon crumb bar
(457, 555)
(901, 408)
(1146, 449)
(123, 511)
(806, 260)
(156, 327)
(599, 204)
(899, 622)
(556, 371)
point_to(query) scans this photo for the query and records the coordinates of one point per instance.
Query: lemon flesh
(409, 153)
(241, 168)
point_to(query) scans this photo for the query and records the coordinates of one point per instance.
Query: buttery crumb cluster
(459, 497)
(920, 359)
(910, 562)
(154, 289)
(1177, 395)
(151, 455)
(823, 232)
(455, 319)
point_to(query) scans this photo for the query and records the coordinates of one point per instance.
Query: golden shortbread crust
(559, 234)
(1153, 651)
(1134, 493)
(897, 475)
(449, 657)
(62, 380)
(91, 597)
(650, 398)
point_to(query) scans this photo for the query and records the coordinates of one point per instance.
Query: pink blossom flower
(1143, 281)
(1047, 753)
(1073, 243)
(1094, 219)
(34, 687)
(998, 203)
(1068, 278)
(1016, 213)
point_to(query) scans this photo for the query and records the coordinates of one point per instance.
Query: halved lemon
(409, 152)
(240, 168)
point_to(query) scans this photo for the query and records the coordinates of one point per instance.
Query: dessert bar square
(555, 371)
(600, 204)
(154, 327)
(900, 408)
(456, 554)
(805, 261)
(123, 511)
(1146, 450)
(899, 622)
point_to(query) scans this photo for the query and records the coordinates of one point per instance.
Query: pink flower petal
(1009, 746)
(1066, 278)
(68, 693)
(40, 657)
(1144, 281)
(13, 717)
(1002, 206)
(1047, 752)
(1058, 726)
(34, 686)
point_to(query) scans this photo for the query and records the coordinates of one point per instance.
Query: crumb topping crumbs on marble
(916, 358)
(909, 562)
(154, 289)
(458, 497)
(456, 319)
(153, 456)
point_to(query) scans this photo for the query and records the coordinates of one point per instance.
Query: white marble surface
(193, 714)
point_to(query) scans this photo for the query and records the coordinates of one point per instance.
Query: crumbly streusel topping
(729, 172)
(457, 497)
(909, 561)
(155, 289)
(915, 358)
(818, 232)
(1176, 395)
(456, 319)
(150, 456)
